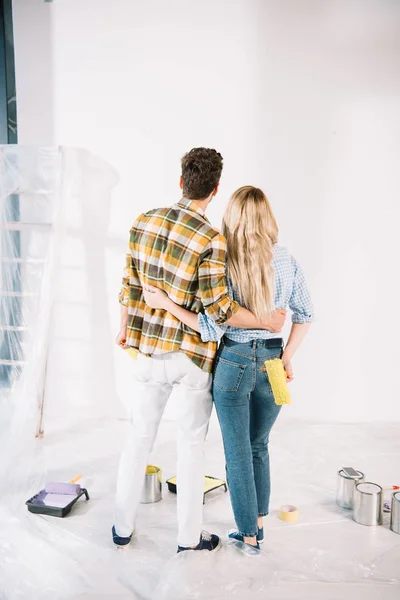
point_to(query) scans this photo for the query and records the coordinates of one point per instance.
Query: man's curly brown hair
(201, 172)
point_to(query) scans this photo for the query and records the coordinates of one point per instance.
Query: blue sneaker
(119, 541)
(208, 541)
(248, 549)
(233, 534)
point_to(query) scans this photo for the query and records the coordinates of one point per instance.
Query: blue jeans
(246, 411)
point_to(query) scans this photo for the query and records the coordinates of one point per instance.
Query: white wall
(302, 99)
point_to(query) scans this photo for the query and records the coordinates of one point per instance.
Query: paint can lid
(369, 488)
(353, 477)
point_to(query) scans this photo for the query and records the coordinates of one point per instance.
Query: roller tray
(36, 504)
(210, 484)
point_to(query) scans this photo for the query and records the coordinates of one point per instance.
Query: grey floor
(324, 555)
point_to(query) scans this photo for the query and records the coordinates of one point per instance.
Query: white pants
(154, 380)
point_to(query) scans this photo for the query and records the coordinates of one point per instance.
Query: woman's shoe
(260, 535)
(233, 534)
(247, 549)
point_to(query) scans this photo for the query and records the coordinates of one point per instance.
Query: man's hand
(155, 298)
(287, 365)
(276, 321)
(121, 339)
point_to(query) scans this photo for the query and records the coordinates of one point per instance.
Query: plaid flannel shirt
(175, 249)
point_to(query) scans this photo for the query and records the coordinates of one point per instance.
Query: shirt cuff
(301, 319)
(209, 331)
(226, 310)
(123, 298)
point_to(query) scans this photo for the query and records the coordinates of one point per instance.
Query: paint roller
(68, 489)
(278, 381)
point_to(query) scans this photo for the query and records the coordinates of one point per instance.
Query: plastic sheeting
(30, 186)
(36, 186)
(43, 194)
(325, 554)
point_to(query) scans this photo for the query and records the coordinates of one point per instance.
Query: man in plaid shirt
(178, 250)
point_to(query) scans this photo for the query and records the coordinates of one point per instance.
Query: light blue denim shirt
(290, 292)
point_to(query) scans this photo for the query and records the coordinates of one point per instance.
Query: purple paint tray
(41, 503)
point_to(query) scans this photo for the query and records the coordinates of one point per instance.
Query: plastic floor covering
(324, 555)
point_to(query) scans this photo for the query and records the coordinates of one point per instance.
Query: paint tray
(59, 506)
(210, 484)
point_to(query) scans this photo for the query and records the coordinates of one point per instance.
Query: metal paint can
(152, 489)
(395, 513)
(345, 488)
(368, 504)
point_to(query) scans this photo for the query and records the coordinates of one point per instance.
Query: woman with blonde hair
(262, 276)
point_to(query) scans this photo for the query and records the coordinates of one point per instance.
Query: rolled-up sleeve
(131, 287)
(213, 282)
(209, 330)
(300, 300)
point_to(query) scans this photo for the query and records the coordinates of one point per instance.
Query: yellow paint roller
(277, 378)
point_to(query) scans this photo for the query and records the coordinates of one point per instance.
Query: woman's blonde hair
(251, 231)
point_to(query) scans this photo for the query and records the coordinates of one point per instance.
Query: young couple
(185, 288)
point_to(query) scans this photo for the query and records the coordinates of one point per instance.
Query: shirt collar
(192, 206)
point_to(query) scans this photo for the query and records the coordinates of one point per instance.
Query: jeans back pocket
(228, 375)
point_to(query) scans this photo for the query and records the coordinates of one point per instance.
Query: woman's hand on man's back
(155, 298)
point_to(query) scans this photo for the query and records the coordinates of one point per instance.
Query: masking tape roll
(289, 513)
